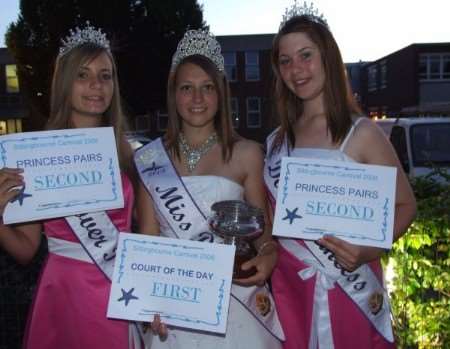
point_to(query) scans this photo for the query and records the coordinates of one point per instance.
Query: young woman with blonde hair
(69, 308)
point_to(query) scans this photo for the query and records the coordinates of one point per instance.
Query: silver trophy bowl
(238, 223)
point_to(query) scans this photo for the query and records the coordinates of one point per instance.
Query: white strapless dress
(243, 330)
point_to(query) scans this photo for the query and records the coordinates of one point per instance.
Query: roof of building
(246, 42)
(420, 46)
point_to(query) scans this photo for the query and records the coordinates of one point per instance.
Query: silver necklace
(194, 154)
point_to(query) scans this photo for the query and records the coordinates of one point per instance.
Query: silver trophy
(238, 223)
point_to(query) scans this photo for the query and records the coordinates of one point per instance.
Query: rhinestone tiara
(88, 34)
(304, 10)
(198, 42)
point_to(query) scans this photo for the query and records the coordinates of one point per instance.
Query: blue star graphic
(291, 215)
(21, 196)
(127, 296)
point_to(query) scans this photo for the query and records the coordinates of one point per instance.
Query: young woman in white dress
(229, 167)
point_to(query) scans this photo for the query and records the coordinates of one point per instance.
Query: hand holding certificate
(66, 172)
(351, 201)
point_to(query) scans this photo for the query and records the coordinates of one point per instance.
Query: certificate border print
(308, 230)
(195, 320)
(56, 205)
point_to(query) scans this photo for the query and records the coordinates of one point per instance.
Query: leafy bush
(420, 294)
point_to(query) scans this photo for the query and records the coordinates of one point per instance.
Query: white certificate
(187, 282)
(351, 201)
(66, 172)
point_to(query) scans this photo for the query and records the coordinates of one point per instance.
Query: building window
(162, 120)
(12, 81)
(10, 126)
(235, 111)
(19, 125)
(253, 112)
(252, 66)
(434, 66)
(3, 129)
(383, 74)
(230, 65)
(372, 78)
(446, 66)
(422, 67)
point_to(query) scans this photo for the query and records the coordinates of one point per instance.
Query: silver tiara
(198, 42)
(304, 10)
(88, 34)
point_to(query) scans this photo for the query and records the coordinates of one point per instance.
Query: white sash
(186, 221)
(272, 165)
(98, 236)
(360, 285)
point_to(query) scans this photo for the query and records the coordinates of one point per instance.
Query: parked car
(421, 143)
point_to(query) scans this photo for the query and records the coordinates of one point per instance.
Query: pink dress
(294, 301)
(69, 308)
(294, 296)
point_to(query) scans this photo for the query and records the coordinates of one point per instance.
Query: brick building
(412, 81)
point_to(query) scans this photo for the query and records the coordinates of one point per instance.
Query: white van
(421, 143)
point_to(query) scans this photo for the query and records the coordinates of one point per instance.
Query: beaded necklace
(194, 154)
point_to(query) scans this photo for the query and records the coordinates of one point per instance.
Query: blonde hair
(66, 71)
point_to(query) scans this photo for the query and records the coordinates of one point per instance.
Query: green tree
(421, 261)
(144, 35)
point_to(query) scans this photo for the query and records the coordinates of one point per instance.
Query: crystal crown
(304, 10)
(198, 42)
(88, 34)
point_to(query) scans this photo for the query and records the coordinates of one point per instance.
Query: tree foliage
(144, 36)
(421, 261)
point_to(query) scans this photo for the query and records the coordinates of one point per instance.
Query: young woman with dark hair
(320, 120)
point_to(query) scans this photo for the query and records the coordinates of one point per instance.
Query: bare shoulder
(369, 144)
(366, 128)
(246, 149)
(368, 134)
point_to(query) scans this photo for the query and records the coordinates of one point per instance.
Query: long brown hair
(222, 120)
(66, 71)
(339, 101)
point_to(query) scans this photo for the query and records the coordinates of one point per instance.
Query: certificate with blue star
(186, 282)
(352, 201)
(66, 172)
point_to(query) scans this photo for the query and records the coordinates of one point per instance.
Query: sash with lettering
(186, 221)
(98, 236)
(361, 285)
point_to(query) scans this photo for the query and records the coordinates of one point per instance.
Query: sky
(364, 29)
